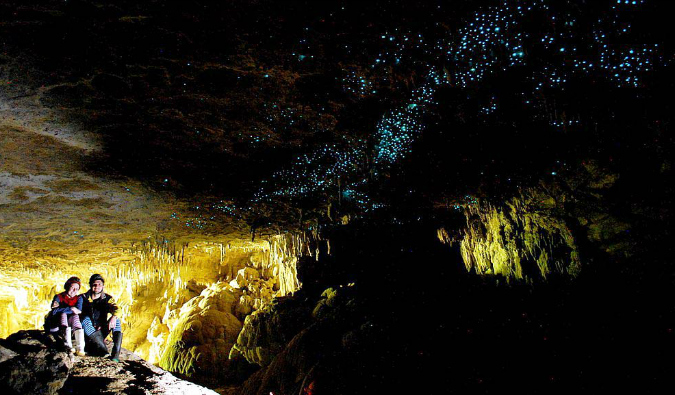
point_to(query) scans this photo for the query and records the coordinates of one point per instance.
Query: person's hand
(55, 304)
(112, 323)
(76, 310)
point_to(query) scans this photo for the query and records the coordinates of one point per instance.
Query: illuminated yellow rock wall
(537, 233)
(62, 216)
(168, 292)
(200, 333)
(524, 238)
(196, 333)
(267, 331)
(59, 219)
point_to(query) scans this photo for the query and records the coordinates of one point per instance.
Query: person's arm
(112, 309)
(112, 306)
(77, 309)
(59, 309)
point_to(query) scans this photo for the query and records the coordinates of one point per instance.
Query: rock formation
(537, 233)
(307, 344)
(202, 332)
(521, 239)
(30, 364)
(267, 331)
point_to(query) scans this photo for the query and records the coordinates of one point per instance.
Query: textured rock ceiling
(52, 207)
(47, 194)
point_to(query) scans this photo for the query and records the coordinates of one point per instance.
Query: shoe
(68, 335)
(117, 346)
(79, 342)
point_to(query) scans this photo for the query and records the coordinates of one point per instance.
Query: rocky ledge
(30, 364)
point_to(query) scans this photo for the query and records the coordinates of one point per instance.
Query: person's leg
(51, 328)
(79, 342)
(65, 332)
(57, 330)
(118, 326)
(78, 333)
(52, 323)
(117, 341)
(74, 322)
(88, 326)
(94, 338)
(69, 338)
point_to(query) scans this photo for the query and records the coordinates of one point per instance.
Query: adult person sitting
(64, 318)
(97, 306)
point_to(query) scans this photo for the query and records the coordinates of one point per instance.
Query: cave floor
(132, 376)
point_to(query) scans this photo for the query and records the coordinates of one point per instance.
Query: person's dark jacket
(98, 309)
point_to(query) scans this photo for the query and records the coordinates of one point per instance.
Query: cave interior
(339, 197)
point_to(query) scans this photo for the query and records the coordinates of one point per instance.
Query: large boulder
(29, 365)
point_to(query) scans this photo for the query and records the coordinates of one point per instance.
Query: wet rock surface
(30, 364)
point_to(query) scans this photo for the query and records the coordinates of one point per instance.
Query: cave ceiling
(120, 119)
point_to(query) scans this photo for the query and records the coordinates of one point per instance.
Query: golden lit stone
(522, 239)
(172, 283)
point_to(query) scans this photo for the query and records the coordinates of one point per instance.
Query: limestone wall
(524, 238)
(164, 288)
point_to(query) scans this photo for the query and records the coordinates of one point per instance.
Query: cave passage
(334, 197)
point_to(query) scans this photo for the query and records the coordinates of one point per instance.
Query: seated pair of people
(86, 315)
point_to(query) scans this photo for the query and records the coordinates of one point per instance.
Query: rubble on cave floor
(31, 365)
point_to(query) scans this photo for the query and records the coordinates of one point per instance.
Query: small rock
(6, 354)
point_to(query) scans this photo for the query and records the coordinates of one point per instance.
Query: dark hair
(72, 281)
(95, 277)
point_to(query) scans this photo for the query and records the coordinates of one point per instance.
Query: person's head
(96, 283)
(72, 286)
